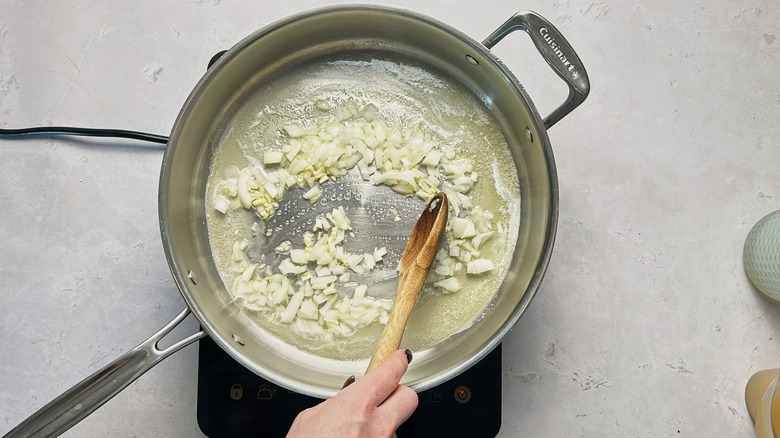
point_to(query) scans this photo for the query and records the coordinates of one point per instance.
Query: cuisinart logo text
(551, 42)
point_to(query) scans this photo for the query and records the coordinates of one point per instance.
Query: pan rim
(182, 278)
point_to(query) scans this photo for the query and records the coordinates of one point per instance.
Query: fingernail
(408, 355)
(350, 380)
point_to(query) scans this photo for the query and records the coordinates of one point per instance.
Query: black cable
(91, 132)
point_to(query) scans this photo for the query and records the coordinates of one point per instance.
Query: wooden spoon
(416, 261)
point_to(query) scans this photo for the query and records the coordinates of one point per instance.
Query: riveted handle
(558, 53)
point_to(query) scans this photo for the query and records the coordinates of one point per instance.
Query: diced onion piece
(360, 293)
(294, 131)
(348, 162)
(481, 238)
(298, 256)
(292, 307)
(284, 246)
(322, 282)
(450, 284)
(249, 272)
(462, 228)
(339, 218)
(368, 261)
(272, 157)
(271, 189)
(432, 158)
(242, 287)
(479, 266)
(308, 310)
(365, 171)
(313, 195)
(322, 271)
(403, 189)
(354, 260)
(221, 204)
(342, 113)
(369, 111)
(444, 269)
(260, 286)
(393, 178)
(454, 248)
(230, 188)
(292, 148)
(278, 294)
(297, 165)
(331, 315)
(243, 190)
(308, 327)
(287, 267)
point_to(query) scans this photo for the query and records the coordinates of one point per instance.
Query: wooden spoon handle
(409, 287)
(415, 263)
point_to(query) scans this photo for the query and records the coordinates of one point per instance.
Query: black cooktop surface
(234, 402)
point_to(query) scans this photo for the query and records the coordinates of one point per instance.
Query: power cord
(90, 132)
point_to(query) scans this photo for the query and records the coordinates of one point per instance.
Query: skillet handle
(81, 400)
(554, 48)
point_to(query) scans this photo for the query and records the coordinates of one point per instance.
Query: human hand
(374, 406)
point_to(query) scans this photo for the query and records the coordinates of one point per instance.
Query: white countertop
(645, 325)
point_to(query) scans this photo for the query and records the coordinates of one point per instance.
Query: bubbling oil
(406, 94)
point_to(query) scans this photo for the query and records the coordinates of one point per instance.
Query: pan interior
(407, 94)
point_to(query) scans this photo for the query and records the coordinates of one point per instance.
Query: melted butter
(405, 95)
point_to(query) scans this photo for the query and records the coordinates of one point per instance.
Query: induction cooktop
(234, 402)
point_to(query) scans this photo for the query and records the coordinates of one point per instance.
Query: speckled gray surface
(646, 324)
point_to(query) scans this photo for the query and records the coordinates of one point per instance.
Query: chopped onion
(481, 238)
(449, 284)
(479, 266)
(287, 267)
(298, 256)
(322, 104)
(462, 228)
(313, 195)
(284, 246)
(360, 293)
(409, 161)
(273, 157)
(294, 131)
(394, 178)
(292, 307)
(308, 310)
(432, 158)
(222, 204)
(243, 190)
